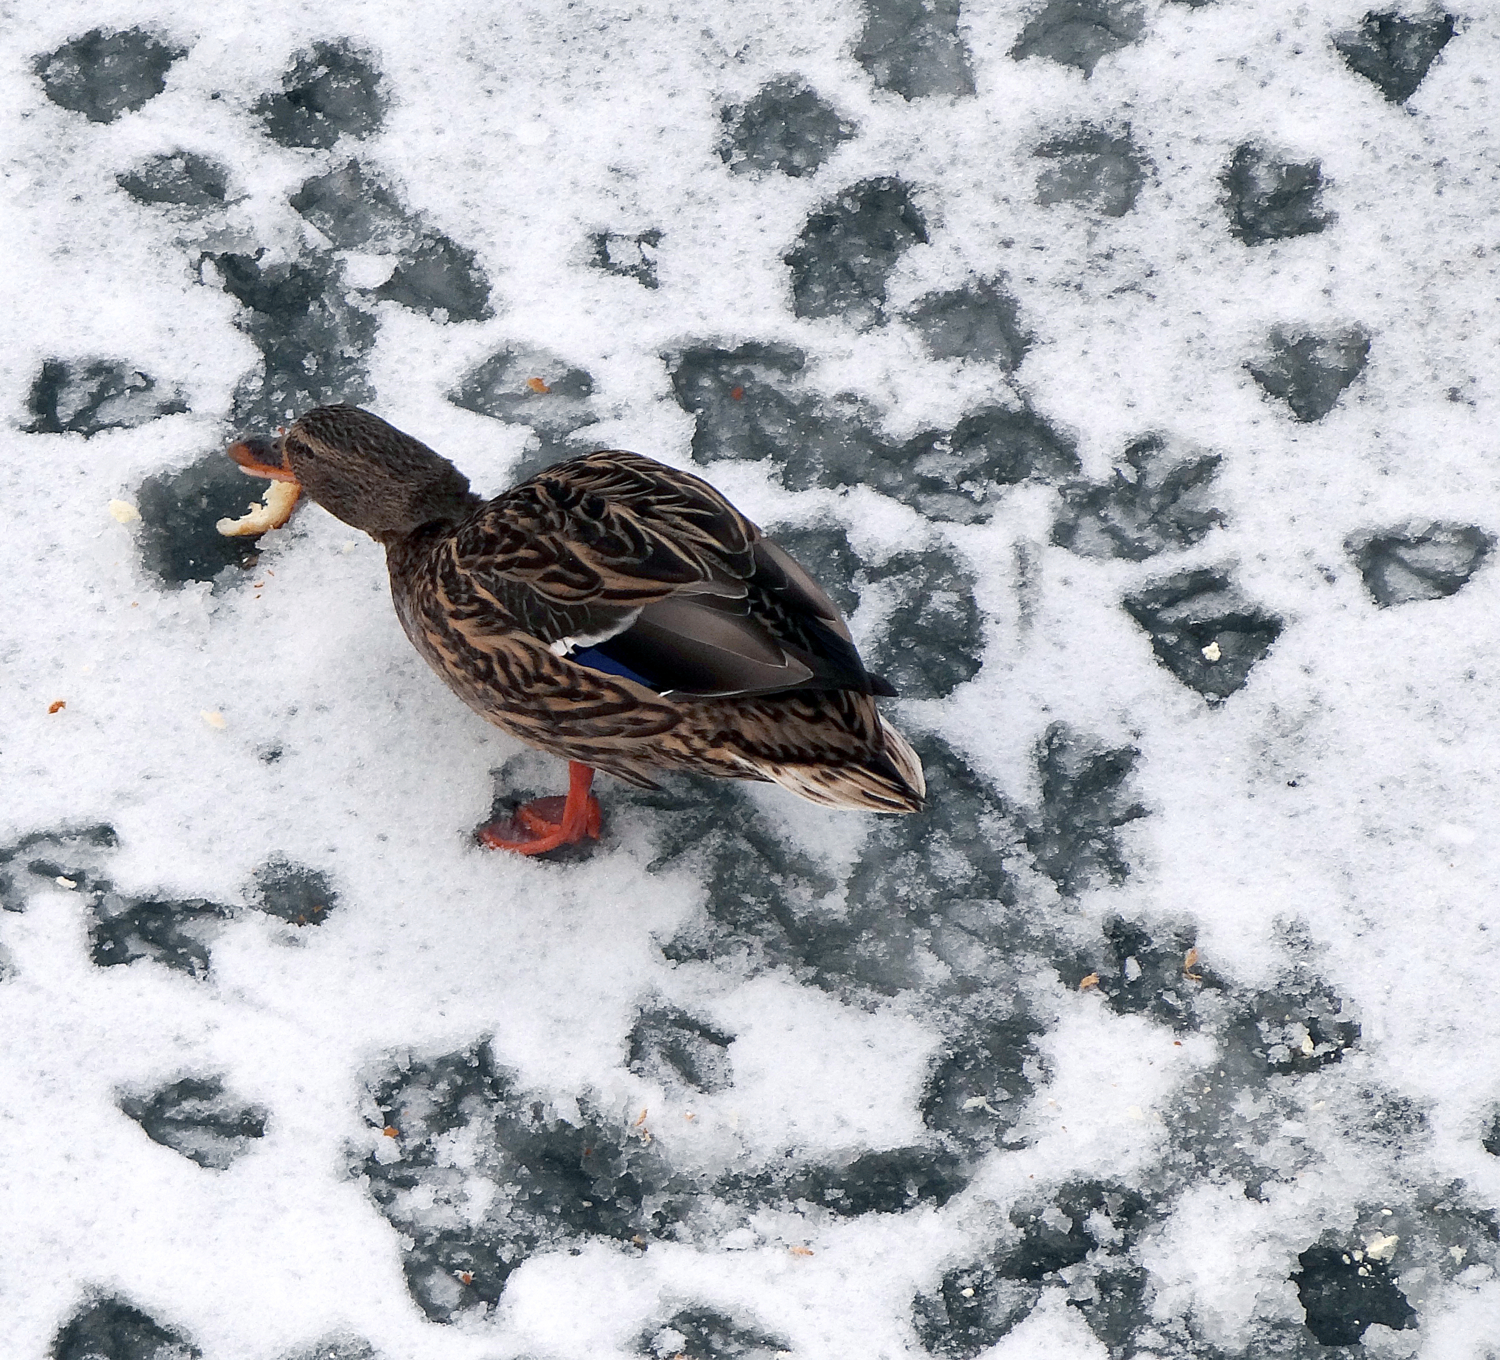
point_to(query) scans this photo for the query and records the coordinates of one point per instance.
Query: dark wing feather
(657, 578)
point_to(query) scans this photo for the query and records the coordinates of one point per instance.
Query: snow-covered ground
(1127, 370)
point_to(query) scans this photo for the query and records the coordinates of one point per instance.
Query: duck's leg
(546, 823)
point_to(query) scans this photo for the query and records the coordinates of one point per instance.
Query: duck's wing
(627, 567)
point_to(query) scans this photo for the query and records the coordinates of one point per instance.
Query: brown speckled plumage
(743, 668)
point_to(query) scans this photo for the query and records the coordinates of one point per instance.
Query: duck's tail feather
(889, 782)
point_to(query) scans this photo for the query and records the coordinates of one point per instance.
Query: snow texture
(1125, 370)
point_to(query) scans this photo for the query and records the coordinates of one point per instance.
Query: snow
(1126, 370)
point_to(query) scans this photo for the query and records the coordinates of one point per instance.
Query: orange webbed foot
(546, 823)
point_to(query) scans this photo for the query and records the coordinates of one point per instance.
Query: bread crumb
(280, 501)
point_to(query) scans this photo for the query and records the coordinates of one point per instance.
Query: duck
(610, 610)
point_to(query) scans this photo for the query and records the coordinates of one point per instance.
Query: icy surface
(1126, 372)
(1091, 166)
(1271, 199)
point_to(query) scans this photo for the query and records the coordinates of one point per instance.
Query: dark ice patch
(357, 209)
(845, 253)
(332, 90)
(1230, 1121)
(978, 321)
(786, 127)
(982, 1076)
(1271, 199)
(1080, 33)
(944, 875)
(886, 1182)
(1084, 803)
(526, 386)
(1085, 1228)
(555, 1180)
(437, 275)
(913, 48)
(198, 1118)
(1062, 1230)
(107, 72)
(927, 893)
(313, 342)
(171, 931)
(112, 1329)
(931, 638)
(293, 892)
(454, 1273)
(85, 397)
(1098, 169)
(1395, 52)
(352, 207)
(972, 1308)
(1143, 969)
(1298, 1027)
(760, 892)
(1343, 1294)
(177, 539)
(627, 257)
(1420, 562)
(1158, 498)
(1204, 630)
(1490, 1140)
(182, 179)
(705, 1334)
(1310, 371)
(73, 853)
(673, 1048)
(1388, 1120)
(1116, 1304)
(949, 474)
(751, 403)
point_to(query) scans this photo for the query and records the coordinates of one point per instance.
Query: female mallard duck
(613, 611)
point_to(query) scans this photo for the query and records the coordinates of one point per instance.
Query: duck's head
(362, 470)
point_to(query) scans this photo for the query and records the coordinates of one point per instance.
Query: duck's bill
(262, 458)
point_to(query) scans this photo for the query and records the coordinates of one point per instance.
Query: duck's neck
(403, 552)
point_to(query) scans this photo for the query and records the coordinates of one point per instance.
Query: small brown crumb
(537, 385)
(57, 706)
(736, 394)
(391, 1131)
(639, 1120)
(466, 1277)
(638, 1241)
(1189, 960)
(1092, 980)
(800, 1251)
